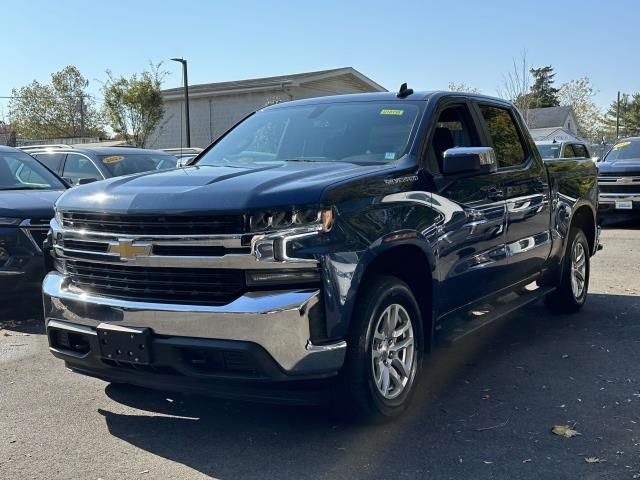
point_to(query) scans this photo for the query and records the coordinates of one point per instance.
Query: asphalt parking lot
(485, 408)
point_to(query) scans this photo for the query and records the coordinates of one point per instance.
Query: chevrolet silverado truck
(619, 181)
(322, 242)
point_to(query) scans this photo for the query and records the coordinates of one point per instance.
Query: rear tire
(572, 291)
(384, 352)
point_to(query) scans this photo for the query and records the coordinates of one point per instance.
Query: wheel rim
(578, 269)
(392, 351)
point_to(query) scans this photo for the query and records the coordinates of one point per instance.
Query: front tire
(384, 352)
(572, 291)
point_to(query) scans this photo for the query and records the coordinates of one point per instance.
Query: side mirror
(84, 181)
(469, 160)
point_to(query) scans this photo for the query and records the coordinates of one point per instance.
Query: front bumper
(271, 328)
(607, 203)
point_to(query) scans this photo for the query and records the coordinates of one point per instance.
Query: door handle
(495, 194)
(538, 186)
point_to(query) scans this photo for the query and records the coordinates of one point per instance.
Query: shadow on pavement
(483, 409)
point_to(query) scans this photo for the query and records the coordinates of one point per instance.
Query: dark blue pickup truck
(27, 194)
(330, 240)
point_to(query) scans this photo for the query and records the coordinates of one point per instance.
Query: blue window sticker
(389, 155)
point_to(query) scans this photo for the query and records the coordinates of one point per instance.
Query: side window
(51, 160)
(454, 128)
(508, 145)
(79, 166)
(580, 151)
(568, 151)
(24, 173)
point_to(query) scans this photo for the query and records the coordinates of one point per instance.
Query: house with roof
(216, 107)
(552, 123)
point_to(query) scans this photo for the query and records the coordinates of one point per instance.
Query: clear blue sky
(425, 43)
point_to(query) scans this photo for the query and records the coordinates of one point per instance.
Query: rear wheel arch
(584, 219)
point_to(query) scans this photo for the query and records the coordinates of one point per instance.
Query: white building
(215, 107)
(552, 123)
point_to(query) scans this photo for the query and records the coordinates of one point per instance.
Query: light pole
(186, 97)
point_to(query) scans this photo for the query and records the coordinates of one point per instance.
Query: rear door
(526, 191)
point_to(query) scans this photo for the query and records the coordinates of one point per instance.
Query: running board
(457, 328)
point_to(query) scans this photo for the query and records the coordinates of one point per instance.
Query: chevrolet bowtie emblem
(128, 250)
(624, 180)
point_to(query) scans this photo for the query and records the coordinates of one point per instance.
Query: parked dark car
(570, 149)
(28, 191)
(323, 241)
(619, 180)
(84, 165)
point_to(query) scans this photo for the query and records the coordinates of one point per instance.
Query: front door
(471, 235)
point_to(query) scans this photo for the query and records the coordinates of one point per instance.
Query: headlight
(279, 220)
(9, 221)
(58, 216)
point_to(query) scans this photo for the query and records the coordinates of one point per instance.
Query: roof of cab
(382, 97)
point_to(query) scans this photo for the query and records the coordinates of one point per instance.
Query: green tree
(134, 106)
(62, 108)
(629, 116)
(543, 93)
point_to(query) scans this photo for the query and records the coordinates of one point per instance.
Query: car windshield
(20, 171)
(550, 150)
(362, 133)
(130, 163)
(624, 150)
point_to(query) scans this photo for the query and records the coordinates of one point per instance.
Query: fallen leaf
(528, 460)
(143, 471)
(565, 356)
(564, 431)
(487, 462)
(593, 460)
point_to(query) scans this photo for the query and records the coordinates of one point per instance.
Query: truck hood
(628, 167)
(28, 203)
(213, 188)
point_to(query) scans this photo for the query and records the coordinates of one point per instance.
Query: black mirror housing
(84, 181)
(469, 160)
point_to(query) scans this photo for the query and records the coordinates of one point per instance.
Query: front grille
(620, 188)
(190, 286)
(155, 224)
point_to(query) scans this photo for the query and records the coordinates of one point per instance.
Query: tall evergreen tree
(543, 93)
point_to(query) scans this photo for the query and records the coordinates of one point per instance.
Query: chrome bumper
(277, 321)
(610, 198)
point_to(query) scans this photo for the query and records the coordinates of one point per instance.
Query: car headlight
(283, 219)
(9, 221)
(58, 216)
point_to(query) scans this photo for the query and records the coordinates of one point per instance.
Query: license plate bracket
(125, 344)
(624, 205)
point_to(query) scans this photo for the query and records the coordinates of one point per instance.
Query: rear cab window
(504, 135)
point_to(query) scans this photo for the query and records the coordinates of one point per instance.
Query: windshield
(362, 133)
(19, 171)
(130, 163)
(624, 150)
(551, 150)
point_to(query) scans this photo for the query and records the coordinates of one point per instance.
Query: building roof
(267, 83)
(548, 117)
